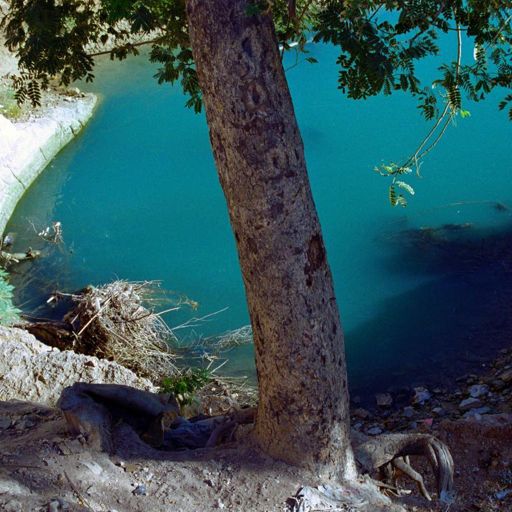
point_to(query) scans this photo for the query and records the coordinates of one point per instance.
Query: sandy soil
(41, 465)
(41, 462)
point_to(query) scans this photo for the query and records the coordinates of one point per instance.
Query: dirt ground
(43, 468)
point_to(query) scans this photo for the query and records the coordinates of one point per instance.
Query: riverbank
(28, 146)
(31, 137)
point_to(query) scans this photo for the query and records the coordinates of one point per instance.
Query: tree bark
(303, 415)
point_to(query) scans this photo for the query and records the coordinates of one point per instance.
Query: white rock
(374, 431)
(421, 395)
(30, 370)
(470, 403)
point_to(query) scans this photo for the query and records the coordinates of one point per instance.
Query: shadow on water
(445, 327)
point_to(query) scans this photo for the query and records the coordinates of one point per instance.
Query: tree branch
(141, 43)
(418, 154)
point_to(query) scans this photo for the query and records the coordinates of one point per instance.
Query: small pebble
(374, 431)
(53, 506)
(57, 505)
(501, 495)
(470, 403)
(506, 376)
(140, 490)
(478, 390)
(421, 395)
(408, 412)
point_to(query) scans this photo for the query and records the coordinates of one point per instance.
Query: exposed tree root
(389, 456)
(93, 409)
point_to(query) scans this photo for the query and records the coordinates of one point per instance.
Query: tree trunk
(303, 415)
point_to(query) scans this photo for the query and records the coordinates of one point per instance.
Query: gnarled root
(91, 409)
(389, 455)
(227, 427)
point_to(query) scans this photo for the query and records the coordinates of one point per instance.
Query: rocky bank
(27, 147)
(30, 370)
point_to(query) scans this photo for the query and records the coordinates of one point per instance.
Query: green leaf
(392, 195)
(454, 98)
(401, 201)
(184, 386)
(405, 186)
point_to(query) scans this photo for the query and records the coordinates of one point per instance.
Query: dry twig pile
(117, 322)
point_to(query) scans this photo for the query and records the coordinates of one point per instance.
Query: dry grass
(117, 321)
(230, 339)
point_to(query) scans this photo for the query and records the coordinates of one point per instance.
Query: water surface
(138, 197)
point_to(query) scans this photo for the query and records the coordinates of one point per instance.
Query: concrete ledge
(26, 148)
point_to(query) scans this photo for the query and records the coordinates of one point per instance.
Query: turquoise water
(138, 197)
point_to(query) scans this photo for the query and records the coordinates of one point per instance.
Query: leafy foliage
(395, 171)
(504, 103)
(8, 313)
(380, 42)
(185, 385)
(58, 39)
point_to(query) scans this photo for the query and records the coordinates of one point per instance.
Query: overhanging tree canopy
(380, 42)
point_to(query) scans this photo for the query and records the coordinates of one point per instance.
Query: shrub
(184, 386)
(9, 314)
